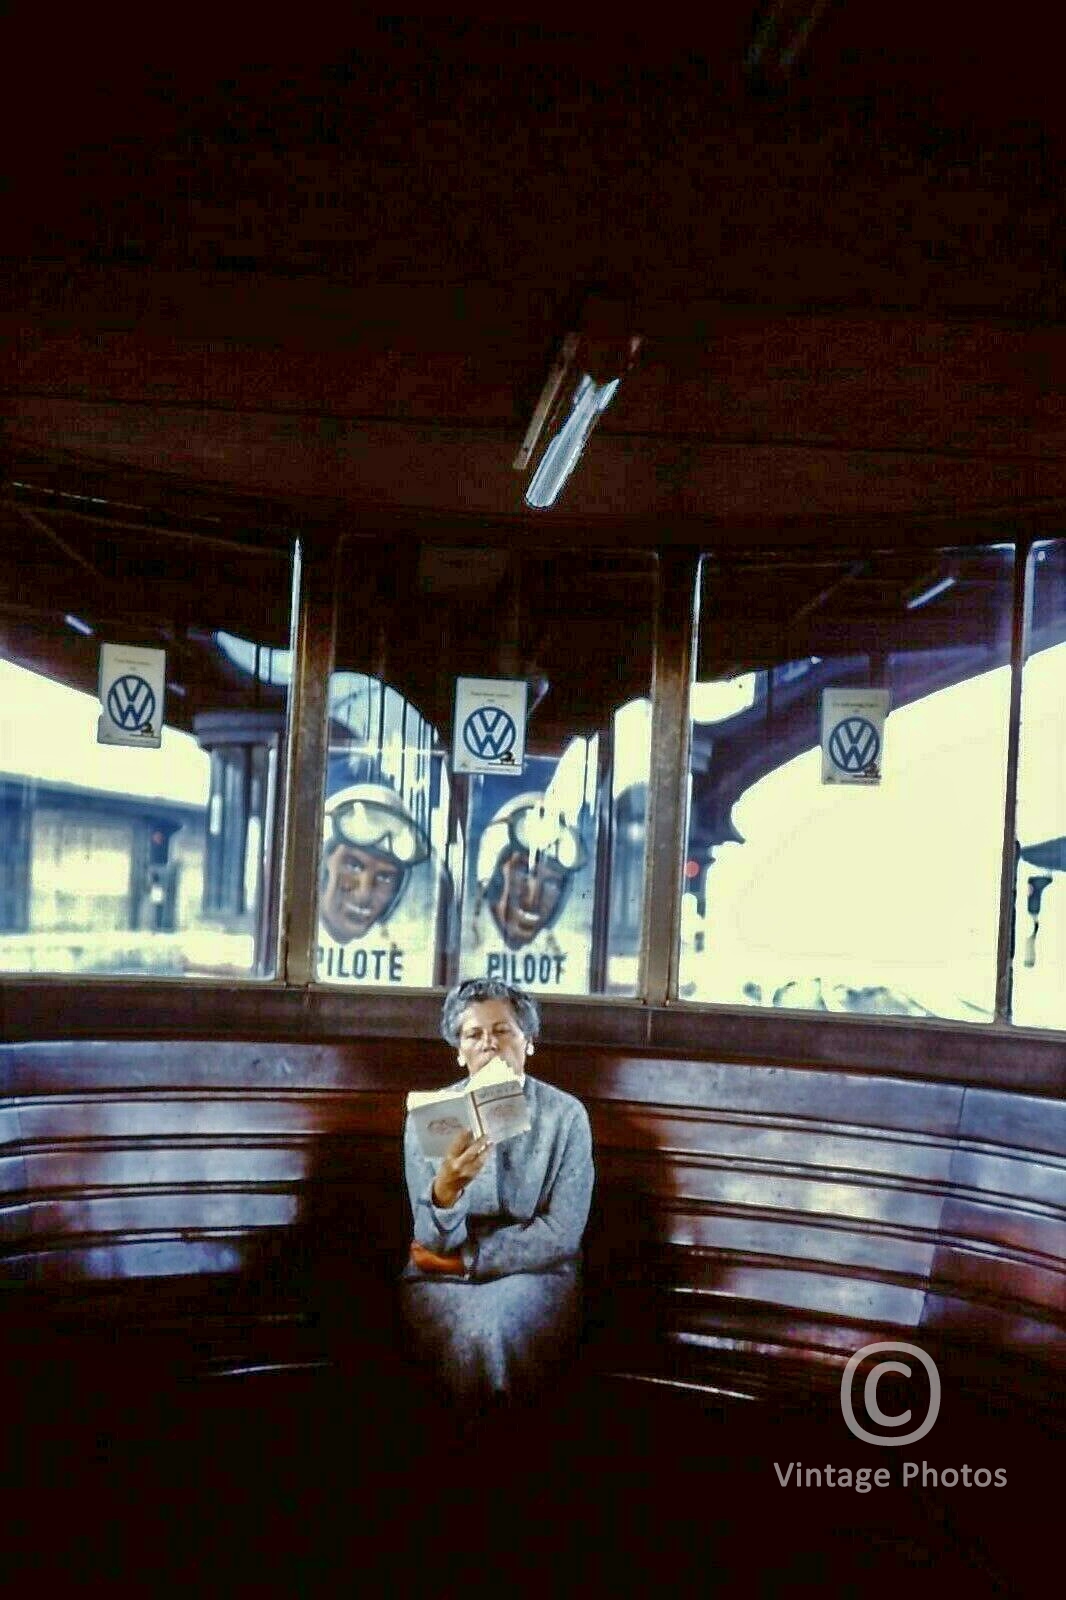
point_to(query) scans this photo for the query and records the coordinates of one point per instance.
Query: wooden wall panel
(1000, 1224)
(131, 1259)
(1028, 1122)
(747, 1237)
(717, 1088)
(771, 1219)
(801, 1193)
(219, 1115)
(759, 1144)
(107, 1167)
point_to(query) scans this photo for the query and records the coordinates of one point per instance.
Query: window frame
(290, 1003)
(178, 532)
(314, 650)
(1022, 577)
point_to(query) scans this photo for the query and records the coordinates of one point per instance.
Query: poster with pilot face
(531, 874)
(386, 805)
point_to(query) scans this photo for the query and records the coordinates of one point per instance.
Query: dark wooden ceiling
(330, 271)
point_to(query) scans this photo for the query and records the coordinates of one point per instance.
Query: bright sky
(48, 732)
(895, 884)
(898, 883)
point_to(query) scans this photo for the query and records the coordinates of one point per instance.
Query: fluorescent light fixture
(552, 384)
(561, 456)
(577, 392)
(923, 596)
(76, 623)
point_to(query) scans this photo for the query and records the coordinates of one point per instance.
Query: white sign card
(132, 682)
(490, 725)
(853, 735)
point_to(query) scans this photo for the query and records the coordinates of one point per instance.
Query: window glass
(863, 878)
(630, 772)
(530, 872)
(530, 896)
(1039, 972)
(384, 838)
(130, 858)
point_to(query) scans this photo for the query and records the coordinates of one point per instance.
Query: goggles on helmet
(533, 829)
(369, 825)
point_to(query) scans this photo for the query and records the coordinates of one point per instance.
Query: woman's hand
(463, 1161)
(429, 1261)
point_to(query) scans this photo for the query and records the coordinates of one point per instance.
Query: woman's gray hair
(473, 990)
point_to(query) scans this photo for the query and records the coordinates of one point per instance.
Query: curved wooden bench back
(768, 1220)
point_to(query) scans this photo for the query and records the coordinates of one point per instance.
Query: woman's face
(488, 1028)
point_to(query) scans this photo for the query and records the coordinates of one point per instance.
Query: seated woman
(491, 1291)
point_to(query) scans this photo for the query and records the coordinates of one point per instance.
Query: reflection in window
(260, 660)
(532, 875)
(383, 838)
(1039, 969)
(877, 897)
(531, 894)
(629, 799)
(137, 860)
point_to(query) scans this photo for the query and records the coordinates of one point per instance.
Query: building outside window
(154, 857)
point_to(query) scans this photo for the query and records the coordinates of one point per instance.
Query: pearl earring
(529, 1049)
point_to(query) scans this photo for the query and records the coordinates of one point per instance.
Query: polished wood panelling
(839, 415)
(762, 1221)
(993, 1055)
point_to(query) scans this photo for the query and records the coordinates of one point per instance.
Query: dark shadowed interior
(277, 313)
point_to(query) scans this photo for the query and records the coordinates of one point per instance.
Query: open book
(489, 1105)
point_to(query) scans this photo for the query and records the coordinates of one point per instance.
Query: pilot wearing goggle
(527, 858)
(370, 842)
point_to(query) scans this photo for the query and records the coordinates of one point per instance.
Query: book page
(437, 1118)
(494, 1071)
(503, 1110)
(439, 1114)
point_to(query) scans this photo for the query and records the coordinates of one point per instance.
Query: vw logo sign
(131, 703)
(854, 745)
(490, 733)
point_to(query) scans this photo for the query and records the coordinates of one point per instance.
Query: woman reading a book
(491, 1290)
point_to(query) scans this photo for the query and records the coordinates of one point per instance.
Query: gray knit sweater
(527, 1208)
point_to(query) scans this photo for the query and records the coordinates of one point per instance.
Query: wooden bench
(196, 1209)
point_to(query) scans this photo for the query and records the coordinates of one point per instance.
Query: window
(879, 895)
(1039, 968)
(532, 873)
(139, 860)
(385, 847)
